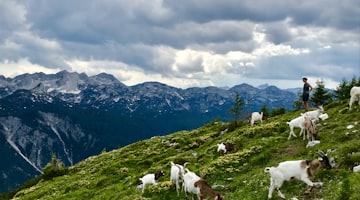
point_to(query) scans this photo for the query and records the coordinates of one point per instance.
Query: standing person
(306, 93)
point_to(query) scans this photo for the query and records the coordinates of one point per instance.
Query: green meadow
(236, 175)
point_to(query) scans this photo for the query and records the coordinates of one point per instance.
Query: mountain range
(74, 116)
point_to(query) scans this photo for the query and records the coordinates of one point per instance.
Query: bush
(54, 168)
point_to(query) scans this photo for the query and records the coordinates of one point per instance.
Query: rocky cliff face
(74, 116)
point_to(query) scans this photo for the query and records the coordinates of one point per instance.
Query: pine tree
(265, 110)
(321, 95)
(343, 90)
(54, 168)
(237, 108)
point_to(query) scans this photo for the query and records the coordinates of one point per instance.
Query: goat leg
(308, 191)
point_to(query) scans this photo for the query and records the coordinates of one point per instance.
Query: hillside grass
(237, 175)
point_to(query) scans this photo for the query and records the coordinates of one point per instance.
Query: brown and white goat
(151, 179)
(206, 191)
(310, 128)
(302, 170)
(226, 147)
(257, 116)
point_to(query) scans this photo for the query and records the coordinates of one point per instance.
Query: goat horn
(321, 153)
(186, 164)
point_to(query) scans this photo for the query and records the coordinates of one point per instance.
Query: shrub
(54, 168)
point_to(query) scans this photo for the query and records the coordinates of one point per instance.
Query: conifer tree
(265, 110)
(343, 90)
(54, 168)
(238, 107)
(320, 96)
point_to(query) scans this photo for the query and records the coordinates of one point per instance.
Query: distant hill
(74, 116)
(237, 175)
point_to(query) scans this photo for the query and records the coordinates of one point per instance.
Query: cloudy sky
(185, 43)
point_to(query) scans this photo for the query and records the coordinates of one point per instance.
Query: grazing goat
(225, 147)
(354, 96)
(150, 179)
(177, 172)
(310, 128)
(256, 116)
(206, 190)
(189, 182)
(297, 122)
(302, 170)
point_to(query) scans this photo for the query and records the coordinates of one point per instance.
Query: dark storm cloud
(150, 35)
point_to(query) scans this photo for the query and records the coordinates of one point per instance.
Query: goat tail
(267, 169)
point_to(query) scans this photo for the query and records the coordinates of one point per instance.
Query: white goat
(189, 182)
(221, 147)
(256, 116)
(296, 123)
(150, 179)
(177, 172)
(302, 170)
(354, 96)
(315, 114)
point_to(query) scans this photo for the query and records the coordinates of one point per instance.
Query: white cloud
(13, 68)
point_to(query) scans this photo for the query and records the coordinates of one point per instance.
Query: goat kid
(206, 191)
(150, 179)
(302, 170)
(310, 128)
(296, 123)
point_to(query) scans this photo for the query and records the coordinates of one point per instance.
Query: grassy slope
(238, 175)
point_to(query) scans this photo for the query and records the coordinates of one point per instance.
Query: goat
(256, 116)
(206, 190)
(225, 147)
(310, 128)
(315, 114)
(354, 96)
(302, 170)
(189, 182)
(150, 179)
(177, 172)
(297, 122)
